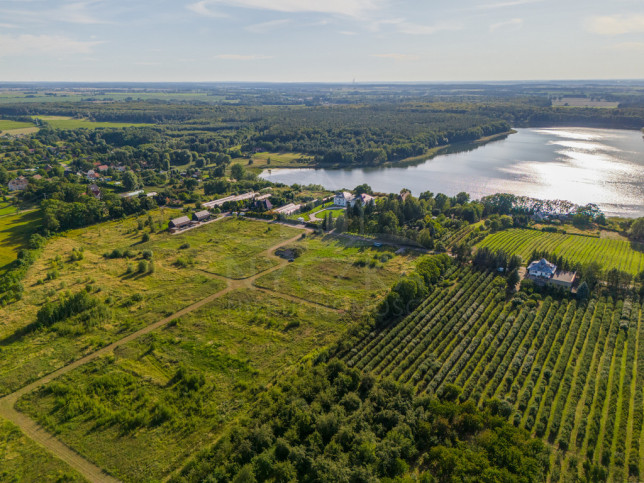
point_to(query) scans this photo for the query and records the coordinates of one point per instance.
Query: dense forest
(333, 423)
(337, 134)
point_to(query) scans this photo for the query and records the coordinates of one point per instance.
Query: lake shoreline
(582, 165)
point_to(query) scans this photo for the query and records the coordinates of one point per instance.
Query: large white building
(343, 198)
(346, 199)
(18, 184)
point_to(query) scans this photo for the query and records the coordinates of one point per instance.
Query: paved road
(59, 449)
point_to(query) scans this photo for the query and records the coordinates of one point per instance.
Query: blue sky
(320, 40)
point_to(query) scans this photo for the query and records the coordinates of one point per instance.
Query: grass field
(338, 273)
(7, 209)
(15, 230)
(281, 160)
(11, 125)
(610, 253)
(12, 97)
(569, 372)
(231, 247)
(136, 416)
(185, 268)
(61, 122)
(22, 460)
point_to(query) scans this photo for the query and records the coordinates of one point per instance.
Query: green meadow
(142, 411)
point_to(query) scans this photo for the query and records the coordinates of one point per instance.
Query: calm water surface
(603, 166)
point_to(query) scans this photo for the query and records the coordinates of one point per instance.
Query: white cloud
(24, 45)
(7, 26)
(201, 8)
(616, 24)
(398, 57)
(351, 8)
(409, 28)
(77, 12)
(265, 27)
(347, 32)
(513, 24)
(510, 3)
(242, 57)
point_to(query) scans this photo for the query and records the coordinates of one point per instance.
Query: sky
(320, 40)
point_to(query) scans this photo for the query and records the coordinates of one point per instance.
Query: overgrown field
(569, 372)
(141, 412)
(339, 273)
(620, 254)
(231, 247)
(132, 283)
(23, 460)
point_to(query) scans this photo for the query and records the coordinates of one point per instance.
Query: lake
(582, 165)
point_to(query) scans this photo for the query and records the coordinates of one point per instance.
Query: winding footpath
(59, 449)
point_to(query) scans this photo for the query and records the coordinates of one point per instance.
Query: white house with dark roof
(542, 268)
(543, 272)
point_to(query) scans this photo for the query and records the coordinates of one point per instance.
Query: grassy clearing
(134, 299)
(231, 247)
(138, 416)
(61, 122)
(15, 230)
(610, 253)
(338, 273)
(23, 460)
(184, 264)
(7, 209)
(281, 160)
(11, 125)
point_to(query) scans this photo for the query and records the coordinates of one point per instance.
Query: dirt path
(38, 434)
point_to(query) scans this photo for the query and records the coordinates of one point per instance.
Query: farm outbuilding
(201, 215)
(179, 222)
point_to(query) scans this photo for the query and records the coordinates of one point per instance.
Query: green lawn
(22, 460)
(15, 230)
(135, 415)
(7, 209)
(610, 253)
(331, 272)
(334, 213)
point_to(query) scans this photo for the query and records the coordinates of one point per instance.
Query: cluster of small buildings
(542, 272)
